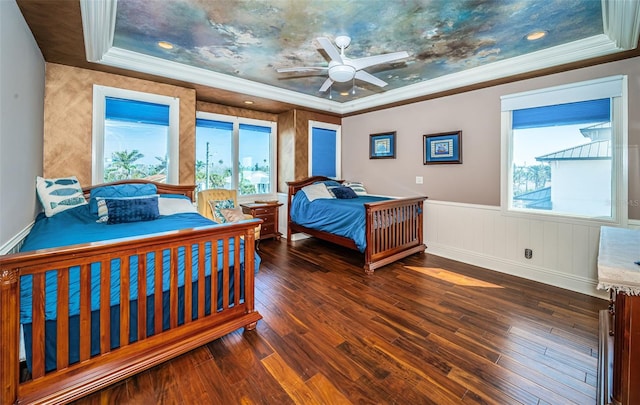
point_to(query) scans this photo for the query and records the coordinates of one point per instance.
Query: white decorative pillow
(170, 206)
(317, 190)
(357, 187)
(57, 195)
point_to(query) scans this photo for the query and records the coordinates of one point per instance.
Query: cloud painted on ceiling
(251, 39)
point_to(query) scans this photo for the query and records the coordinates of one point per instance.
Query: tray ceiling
(237, 45)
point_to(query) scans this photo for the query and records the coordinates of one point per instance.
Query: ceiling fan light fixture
(342, 69)
(342, 73)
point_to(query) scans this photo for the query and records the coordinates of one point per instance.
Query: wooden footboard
(394, 228)
(189, 325)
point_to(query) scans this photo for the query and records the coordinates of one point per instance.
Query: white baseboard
(14, 244)
(558, 279)
(298, 236)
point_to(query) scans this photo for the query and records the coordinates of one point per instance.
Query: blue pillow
(329, 183)
(119, 191)
(132, 210)
(344, 193)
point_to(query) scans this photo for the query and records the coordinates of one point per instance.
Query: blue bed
(343, 217)
(105, 338)
(384, 229)
(78, 225)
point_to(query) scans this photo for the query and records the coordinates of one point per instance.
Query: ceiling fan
(342, 69)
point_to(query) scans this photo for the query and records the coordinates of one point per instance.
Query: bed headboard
(294, 186)
(163, 188)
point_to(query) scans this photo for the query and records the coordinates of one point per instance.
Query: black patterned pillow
(132, 209)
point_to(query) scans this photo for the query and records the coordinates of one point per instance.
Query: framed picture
(382, 145)
(445, 147)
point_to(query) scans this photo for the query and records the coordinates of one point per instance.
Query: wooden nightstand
(269, 214)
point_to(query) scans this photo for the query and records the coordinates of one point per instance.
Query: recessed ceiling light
(165, 45)
(535, 35)
(248, 102)
(344, 93)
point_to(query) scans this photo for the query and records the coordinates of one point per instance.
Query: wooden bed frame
(92, 373)
(393, 227)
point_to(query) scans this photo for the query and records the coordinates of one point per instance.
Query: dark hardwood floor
(425, 330)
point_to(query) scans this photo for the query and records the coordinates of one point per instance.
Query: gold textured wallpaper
(68, 110)
(68, 119)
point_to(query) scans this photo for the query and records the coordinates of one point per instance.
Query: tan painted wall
(477, 114)
(68, 110)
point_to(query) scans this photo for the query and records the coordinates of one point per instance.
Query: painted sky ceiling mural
(250, 39)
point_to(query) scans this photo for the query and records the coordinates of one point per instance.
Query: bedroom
(463, 199)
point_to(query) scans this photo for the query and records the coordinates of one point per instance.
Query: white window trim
(235, 146)
(614, 87)
(332, 127)
(173, 145)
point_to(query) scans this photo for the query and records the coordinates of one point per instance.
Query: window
(324, 149)
(564, 150)
(135, 135)
(235, 153)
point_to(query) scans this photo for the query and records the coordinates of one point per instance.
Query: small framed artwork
(445, 147)
(382, 145)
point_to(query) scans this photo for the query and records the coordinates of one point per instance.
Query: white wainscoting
(14, 244)
(564, 253)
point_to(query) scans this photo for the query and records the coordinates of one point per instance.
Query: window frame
(615, 88)
(100, 93)
(235, 147)
(332, 127)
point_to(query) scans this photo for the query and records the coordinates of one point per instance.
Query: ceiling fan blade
(327, 83)
(362, 63)
(300, 69)
(369, 78)
(330, 49)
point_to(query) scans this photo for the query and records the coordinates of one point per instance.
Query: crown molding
(620, 22)
(122, 58)
(99, 24)
(98, 27)
(599, 45)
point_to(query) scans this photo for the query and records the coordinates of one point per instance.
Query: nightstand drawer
(267, 218)
(266, 229)
(259, 212)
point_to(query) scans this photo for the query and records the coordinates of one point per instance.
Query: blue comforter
(78, 225)
(343, 217)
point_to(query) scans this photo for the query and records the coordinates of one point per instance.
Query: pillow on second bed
(316, 190)
(357, 187)
(344, 193)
